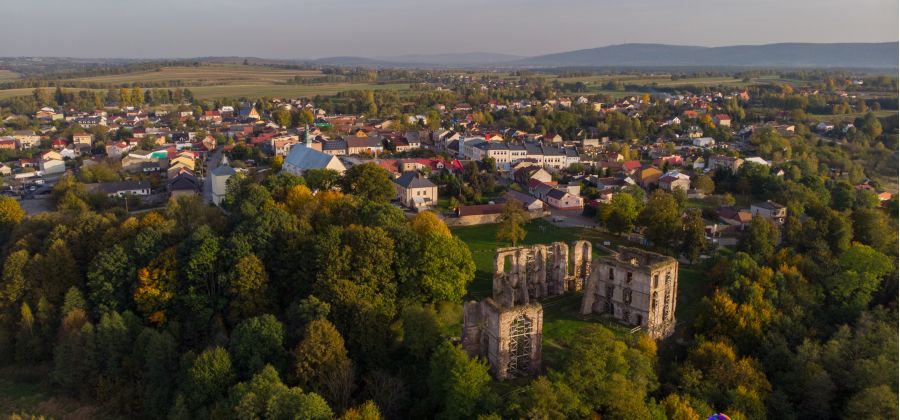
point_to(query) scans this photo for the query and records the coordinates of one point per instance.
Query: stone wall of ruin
(523, 274)
(638, 288)
(508, 337)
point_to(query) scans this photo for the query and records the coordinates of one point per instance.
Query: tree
(368, 182)
(545, 399)
(247, 289)
(108, 280)
(715, 373)
(367, 411)
(321, 179)
(421, 330)
(704, 183)
(445, 268)
(662, 218)
(617, 378)
(158, 363)
(761, 239)
(694, 241)
(871, 227)
(619, 215)
(512, 217)
(459, 386)
(861, 270)
(322, 358)
(74, 356)
(878, 402)
(156, 286)
(11, 214)
(209, 378)
(282, 117)
(265, 396)
(428, 222)
(256, 342)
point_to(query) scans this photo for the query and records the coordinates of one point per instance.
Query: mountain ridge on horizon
(877, 55)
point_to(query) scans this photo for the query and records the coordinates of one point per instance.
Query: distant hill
(454, 59)
(859, 55)
(352, 61)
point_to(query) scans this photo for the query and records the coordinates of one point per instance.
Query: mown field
(251, 90)
(8, 76)
(562, 319)
(225, 74)
(221, 80)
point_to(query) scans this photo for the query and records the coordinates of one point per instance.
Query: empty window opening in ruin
(656, 280)
(520, 346)
(612, 275)
(507, 264)
(628, 277)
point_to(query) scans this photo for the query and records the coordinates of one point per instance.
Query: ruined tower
(508, 337)
(507, 328)
(636, 287)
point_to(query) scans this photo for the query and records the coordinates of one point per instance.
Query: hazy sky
(312, 29)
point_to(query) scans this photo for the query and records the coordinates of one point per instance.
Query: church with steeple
(304, 157)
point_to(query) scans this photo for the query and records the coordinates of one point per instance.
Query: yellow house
(186, 161)
(649, 176)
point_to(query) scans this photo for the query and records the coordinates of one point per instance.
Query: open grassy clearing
(206, 75)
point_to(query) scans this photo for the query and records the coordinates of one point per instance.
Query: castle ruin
(523, 274)
(636, 287)
(633, 286)
(508, 337)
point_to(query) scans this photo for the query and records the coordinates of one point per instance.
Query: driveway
(570, 218)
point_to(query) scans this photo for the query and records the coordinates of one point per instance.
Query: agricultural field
(222, 80)
(236, 91)
(206, 75)
(8, 76)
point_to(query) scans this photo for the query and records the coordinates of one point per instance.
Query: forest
(291, 304)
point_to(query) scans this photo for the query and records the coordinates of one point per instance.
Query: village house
(364, 145)
(563, 200)
(52, 163)
(124, 188)
(674, 180)
(415, 191)
(722, 162)
(648, 176)
(770, 210)
(723, 120)
(303, 157)
(26, 139)
(220, 176)
(83, 138)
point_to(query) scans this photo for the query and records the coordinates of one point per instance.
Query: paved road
(211, 164)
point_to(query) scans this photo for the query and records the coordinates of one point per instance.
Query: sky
(380, 28)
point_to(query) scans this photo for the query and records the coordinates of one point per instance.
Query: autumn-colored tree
(512, 217)
(156, 286)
